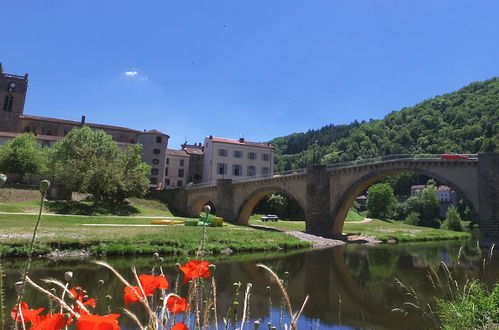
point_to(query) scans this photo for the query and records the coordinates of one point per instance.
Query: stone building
(236, 159)
(48, 131)
(196, 159)
(177, 168)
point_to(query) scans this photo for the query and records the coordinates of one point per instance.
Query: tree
(90, 161)
(22, 156)
(380, 201)
(453, 220)
(426, 203)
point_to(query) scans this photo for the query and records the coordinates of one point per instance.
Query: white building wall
(212, 159)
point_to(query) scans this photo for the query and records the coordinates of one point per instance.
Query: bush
(414, 219)
(380, 201)
(473, 308)
(453, 220)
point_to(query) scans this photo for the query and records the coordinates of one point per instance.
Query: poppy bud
(101, 282)
(3, 178)
(256, 325)
(207, 208)
(68, 276)
(44, 186)
(212, 268)
(156, 255)
(18, 286)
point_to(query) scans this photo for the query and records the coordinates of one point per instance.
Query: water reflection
(350, 286)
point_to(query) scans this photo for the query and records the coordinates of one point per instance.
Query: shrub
(414, 218)
(453, 220)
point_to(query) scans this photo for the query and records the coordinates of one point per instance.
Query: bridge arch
(248, 204)
(196, 207)
(346, 198)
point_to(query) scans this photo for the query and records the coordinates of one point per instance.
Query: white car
(270, 217)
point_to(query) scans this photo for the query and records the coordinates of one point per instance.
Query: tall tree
(380, 201)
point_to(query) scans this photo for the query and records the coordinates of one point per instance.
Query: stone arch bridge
(326, 192)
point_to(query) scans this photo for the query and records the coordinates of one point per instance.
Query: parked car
(269, 217)
(454, 157)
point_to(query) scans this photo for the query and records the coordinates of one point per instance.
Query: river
(350, 286)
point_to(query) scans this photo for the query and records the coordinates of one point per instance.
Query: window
(166, 171)
(222, 152)
(167, 182)
(237, 170)
(181, 162)
(181, 173)
(154, 171)
(168, 161)
(265, 157)
(155, 161)
(238, 154)
(221, 168)
(265, 170)
(251, 155)
(156, 151)
(251, 171)
(8, 102)
(179, 183)
(158, 139)
(154, 181)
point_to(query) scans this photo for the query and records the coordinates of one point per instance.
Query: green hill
(464, 121)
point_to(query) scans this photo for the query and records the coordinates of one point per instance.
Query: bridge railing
(388, 158)
(330, 167)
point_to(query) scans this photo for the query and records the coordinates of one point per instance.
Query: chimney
(83, 120)
(241, 139)
(210, 137)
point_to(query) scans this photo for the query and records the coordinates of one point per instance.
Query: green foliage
(453, 220)
(89, 161)
(414, 219)
(473, 308)
(426, 204)
(22, 156)
(280, 204)
(380, 201)
(465, 121)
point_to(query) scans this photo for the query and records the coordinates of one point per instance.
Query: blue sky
(257, 69)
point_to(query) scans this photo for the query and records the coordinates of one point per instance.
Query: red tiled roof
(38, 137)
(180, 153)
(155, 131)
(77, 123)
(194, 150)
(443, 188)
(417, 186)
(242, 142)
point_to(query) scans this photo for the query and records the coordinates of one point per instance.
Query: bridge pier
(225, 198)
(488, 195)
(318, 208)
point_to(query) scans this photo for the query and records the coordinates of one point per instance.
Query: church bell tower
(13, 90)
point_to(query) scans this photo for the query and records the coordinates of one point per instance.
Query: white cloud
(131, 73)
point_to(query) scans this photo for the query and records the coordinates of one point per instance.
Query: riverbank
(59, 234)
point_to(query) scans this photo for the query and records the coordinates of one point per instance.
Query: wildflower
(195, 269)
(177, 305)
(28, 314)
(131, 296)
(49, 322)
(77, 294)
(149, 283)
(180, 326)
(97, 322)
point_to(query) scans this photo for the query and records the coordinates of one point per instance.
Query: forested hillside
(465, 121)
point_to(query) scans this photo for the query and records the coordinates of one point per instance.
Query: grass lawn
(380, 230)
(68, 233)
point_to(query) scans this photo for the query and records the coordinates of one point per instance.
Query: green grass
(353, 216)
(68, 233)
(136, 206)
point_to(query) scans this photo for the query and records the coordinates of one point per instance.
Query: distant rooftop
(242, 142)
(179, 153)
(77, 123)
(155, 131)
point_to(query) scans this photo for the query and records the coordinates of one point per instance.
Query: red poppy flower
(180, 326)
(28, 314)
(78, 294)
(195, 269)
(98, 322)
(151, 283)
(49, 322)
(130, 296)
(177, 305)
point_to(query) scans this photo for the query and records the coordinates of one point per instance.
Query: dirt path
(366, 220)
